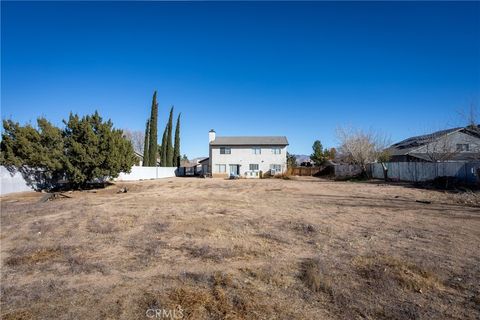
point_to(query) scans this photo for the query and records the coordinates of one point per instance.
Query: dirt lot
(243, 249)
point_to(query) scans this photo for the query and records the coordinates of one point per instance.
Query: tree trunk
(385, 171)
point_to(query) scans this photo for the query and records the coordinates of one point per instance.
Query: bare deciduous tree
(136, 137)
(440, 148)
(361, 147)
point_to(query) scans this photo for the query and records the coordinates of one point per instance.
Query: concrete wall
(145, 173)
(11, 184)
(244, 156)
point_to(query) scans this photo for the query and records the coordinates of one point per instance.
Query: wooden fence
(304, 171)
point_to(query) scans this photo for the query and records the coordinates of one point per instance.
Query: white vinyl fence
(145, 173)
(423, 171)
(11, 184)
(16, 183)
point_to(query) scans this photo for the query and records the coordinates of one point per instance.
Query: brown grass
(303, 248)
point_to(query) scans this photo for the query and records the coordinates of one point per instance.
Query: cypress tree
(152, 145)
(169, 140)
(163, 151)
(146, 155)
(176, 147)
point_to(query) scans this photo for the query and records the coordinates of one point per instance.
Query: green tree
(163, 151)
(291, 160)
(85, 150)
(319, 155)
(95, 150)
(152, 147)
(176, 147)
(146, 154)
(37, 153)
(169, 140)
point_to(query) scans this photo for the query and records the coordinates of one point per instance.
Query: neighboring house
(140, 159)
(246, 156)
(456, 144)
(195, 166)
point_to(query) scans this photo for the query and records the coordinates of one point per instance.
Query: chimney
(211, 135)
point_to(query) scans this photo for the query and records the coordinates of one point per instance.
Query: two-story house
(246, 156)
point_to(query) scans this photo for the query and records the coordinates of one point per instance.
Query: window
(462, 147)
(225, 150)
(253, 167)
(276, 150)
(276, 167)
(257, 150)
(221, 168)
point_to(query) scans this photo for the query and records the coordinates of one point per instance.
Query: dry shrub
(157, 227)
(267, 274)
(17, 315)
(372, 292)
(146, 247)
(31, 256)
(79, 264)
(314, 277)
(96, 225)
(467, 198)
(216, 254)
(304, 228)
(381, 271)
(40, 226)
(195, 277)
(221, 298)
(273, 236)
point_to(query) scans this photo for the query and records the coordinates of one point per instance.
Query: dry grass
(302, 248)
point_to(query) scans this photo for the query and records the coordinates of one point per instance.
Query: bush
(85, 150)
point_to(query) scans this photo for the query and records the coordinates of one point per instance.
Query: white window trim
(225, 150)
(253, 170)
(218, 168)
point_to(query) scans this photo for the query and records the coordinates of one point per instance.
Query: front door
(234, 169)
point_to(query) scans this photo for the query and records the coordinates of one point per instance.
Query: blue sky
(244, 68)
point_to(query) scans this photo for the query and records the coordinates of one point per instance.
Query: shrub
(85, 150)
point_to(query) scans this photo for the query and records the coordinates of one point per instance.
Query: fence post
(415, 172)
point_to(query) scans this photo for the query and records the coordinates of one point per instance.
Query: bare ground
(243, 249)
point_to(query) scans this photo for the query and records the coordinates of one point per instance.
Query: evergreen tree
(146, 155)
(152, 145)
(169, 140)
(319, 155)
(176, 147)
(27, 149)
(85, 150)
(163, 154)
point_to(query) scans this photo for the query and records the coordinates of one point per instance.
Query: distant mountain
(302, 158)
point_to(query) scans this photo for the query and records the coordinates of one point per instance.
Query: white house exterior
(247, 156)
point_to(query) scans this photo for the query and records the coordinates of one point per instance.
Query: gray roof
(405, 147)
(250, 141)
(418, 141)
